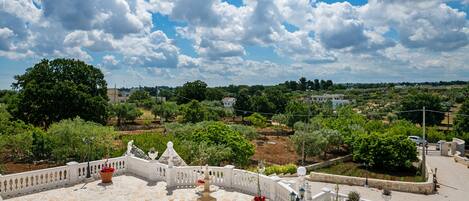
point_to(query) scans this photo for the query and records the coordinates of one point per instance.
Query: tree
(417, 102)
(333, 139)
(461, 123)
(260, 103)
(214, 94)
(194, 112)
(312, 143)
(165, 110)
(257, 120)
(382, 151)
(217, 133)
(139, 96)
(302, 84)
(125, 112)
(248, 132)
(69, 136)
(60, 89)
(195, 90)
(277, 98)
(242, 102)
(317, 85)
(297, 111)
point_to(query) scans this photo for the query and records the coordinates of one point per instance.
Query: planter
(106, 177)
(259, 198)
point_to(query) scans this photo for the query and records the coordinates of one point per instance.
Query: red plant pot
(259, 198)
(106, 174)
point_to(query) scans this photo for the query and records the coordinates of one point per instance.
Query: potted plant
(386, 194)
(353, 196)
(106, 173)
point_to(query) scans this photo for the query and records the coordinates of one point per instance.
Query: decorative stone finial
(170, 144)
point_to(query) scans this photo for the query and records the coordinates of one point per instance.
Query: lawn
(359, 170)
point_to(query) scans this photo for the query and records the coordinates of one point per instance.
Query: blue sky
(169, 42)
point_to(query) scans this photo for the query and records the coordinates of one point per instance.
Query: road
(453, 179)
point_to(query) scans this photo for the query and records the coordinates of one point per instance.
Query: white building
(228, 102)
(335, 99)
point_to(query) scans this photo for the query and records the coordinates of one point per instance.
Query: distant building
(335, 99)
(117, 96)
(228, 102)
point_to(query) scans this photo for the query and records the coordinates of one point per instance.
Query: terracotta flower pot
(106, 177)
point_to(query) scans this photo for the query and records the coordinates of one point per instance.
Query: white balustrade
(179, 177)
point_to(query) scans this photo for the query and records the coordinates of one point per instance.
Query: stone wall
(329, 162)
(459, 158)
(411, 187)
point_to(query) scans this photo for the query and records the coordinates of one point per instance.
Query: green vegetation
(125, 112)
(165, 110)
(384, 151)
(257, 120)
(417, 102)
(359, 170)
(60, 89)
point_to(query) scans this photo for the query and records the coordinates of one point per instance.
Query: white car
(418, 140)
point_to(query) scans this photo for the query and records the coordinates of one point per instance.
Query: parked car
(418, 140)
(438, 144)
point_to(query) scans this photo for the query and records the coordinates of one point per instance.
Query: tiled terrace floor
(128, 188)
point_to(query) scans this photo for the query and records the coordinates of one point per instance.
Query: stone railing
(460, 158)
(328, 195)
(176, 177)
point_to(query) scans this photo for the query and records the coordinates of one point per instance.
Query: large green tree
(242, 102)
(125, 112)
(60, 89)
(165, 110)
(461, 123)
(417, 102)
(195, 90)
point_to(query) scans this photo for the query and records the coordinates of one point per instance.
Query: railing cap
(325, 189)
(72, 163)
(229, 166)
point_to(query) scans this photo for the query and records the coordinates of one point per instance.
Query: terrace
(141, 179)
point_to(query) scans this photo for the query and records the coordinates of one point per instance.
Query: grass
(358, 170)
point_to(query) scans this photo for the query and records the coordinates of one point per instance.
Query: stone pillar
(170, 176)
(72, 169)
(328, 194)
(444, 149)
(453, 148)
(273, 187)
(228, 176)
(152, 167)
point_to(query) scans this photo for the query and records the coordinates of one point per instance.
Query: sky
(222, 42)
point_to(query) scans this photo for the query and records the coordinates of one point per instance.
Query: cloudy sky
(169, 42)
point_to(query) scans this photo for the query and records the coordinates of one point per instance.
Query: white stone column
(152, 166)
(228, 176)
(273, 187)
(328, 194)
(72, 169)
(170, 174)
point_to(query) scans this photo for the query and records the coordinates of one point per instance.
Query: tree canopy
(195, 90)
(60, 89)
(417, 102)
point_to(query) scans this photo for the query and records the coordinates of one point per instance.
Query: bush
(353, 196)
(69, 136)
(217, 133)
(433, 135)
(248, 132)
(257, 120)
(384, 151)
(281, 169)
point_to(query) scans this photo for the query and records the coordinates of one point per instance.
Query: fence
(176, 177)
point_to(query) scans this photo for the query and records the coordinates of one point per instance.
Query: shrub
(257, 120)
(353, 196)
(433, 135)
(248, 132)
(69, 136)
(384, 151)
(281, 169)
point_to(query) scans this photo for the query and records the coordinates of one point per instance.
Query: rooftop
(126, 187)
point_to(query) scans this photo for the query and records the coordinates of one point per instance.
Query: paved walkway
(125, 188)
(453, 178)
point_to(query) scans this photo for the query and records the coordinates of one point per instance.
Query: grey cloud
(200, 12)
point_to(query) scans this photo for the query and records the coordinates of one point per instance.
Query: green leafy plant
(353, 196)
